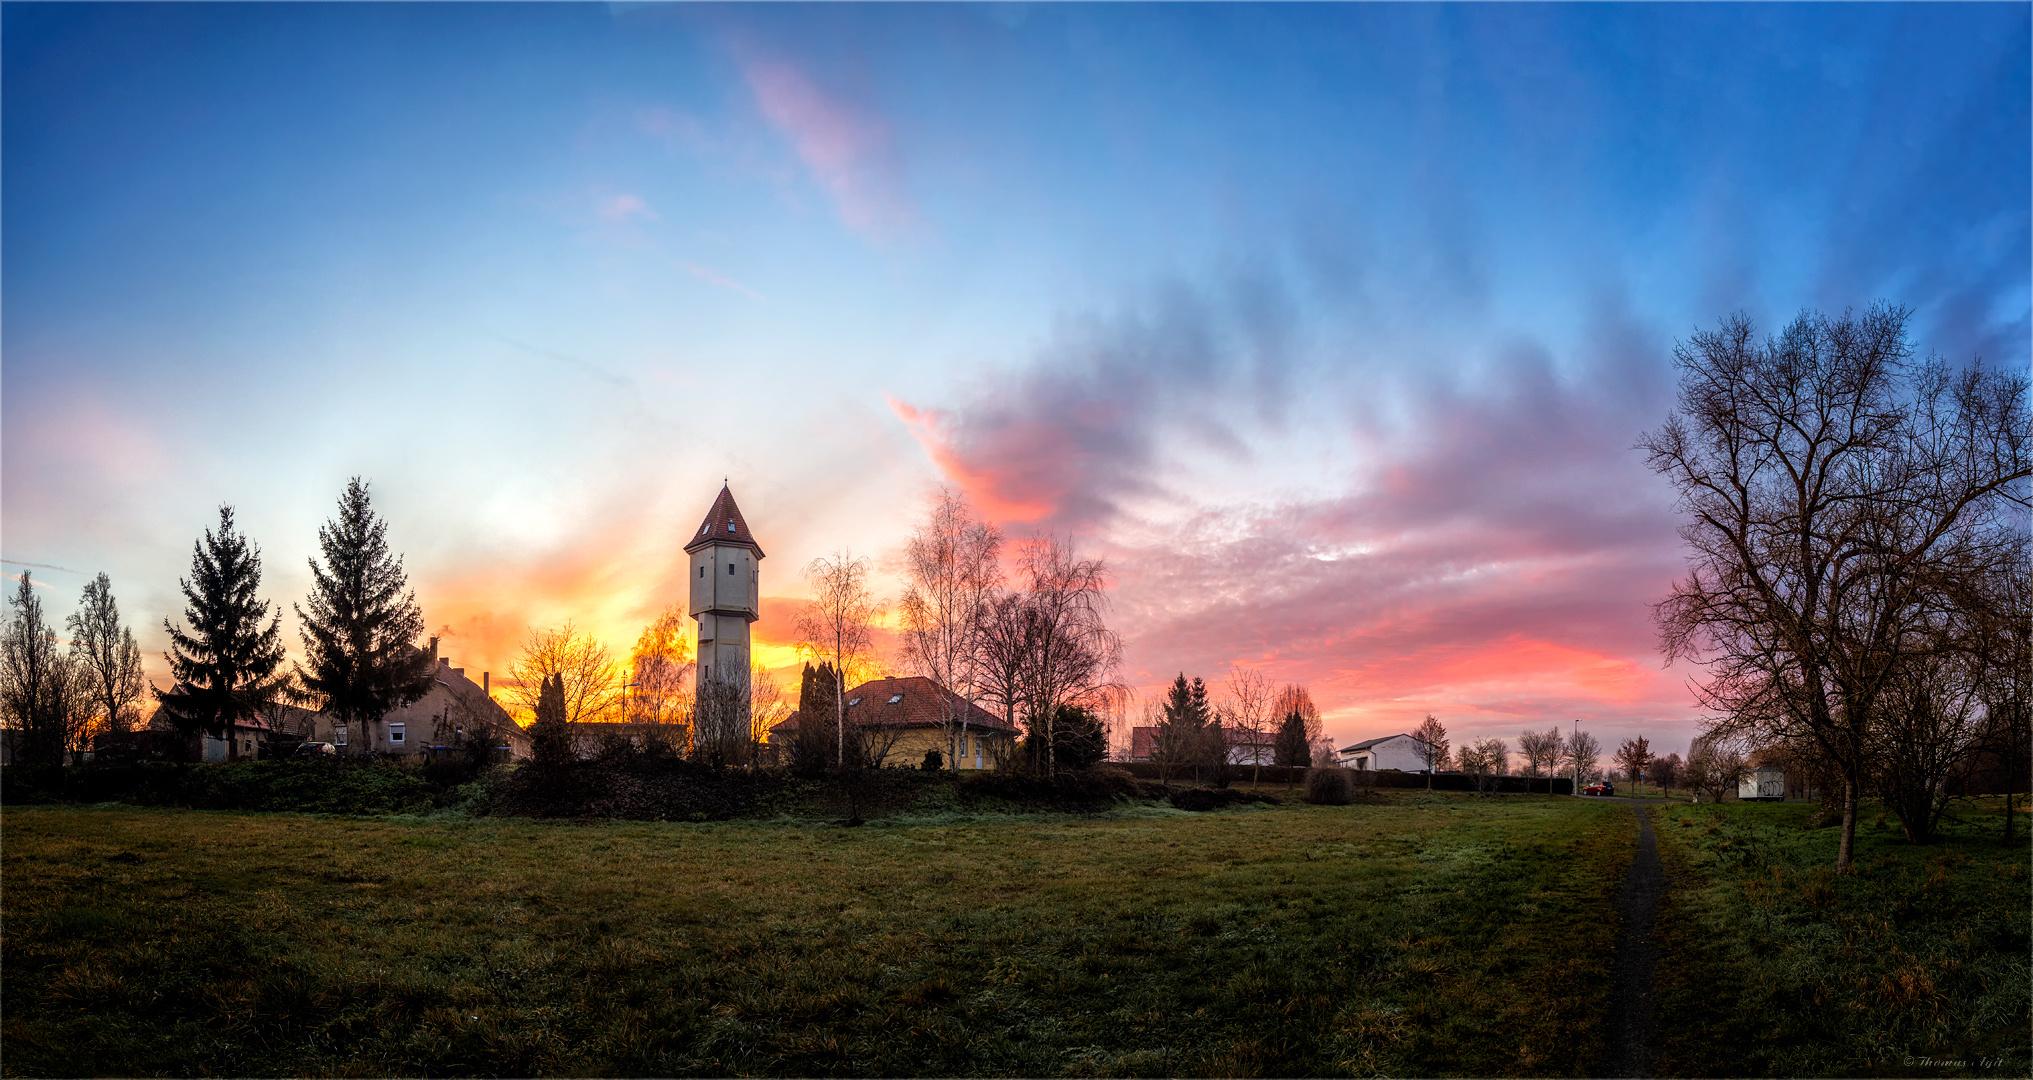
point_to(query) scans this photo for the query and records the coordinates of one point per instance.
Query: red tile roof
(723, 525)
(920, 703)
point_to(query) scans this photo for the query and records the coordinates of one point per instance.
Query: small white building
(1766, 782)
(1401, 752)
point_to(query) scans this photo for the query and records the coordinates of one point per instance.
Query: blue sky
(1330, 326)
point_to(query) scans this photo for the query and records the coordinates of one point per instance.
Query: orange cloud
(987, 487)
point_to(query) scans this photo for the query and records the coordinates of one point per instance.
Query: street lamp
(1575, 757)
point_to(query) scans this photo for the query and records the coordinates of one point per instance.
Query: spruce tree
(224, 666)
(1292, 747)
(360, 632)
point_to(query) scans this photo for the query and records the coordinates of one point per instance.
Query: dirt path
(1630, 1018)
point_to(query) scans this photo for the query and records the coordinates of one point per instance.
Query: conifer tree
(360, 632)
(1298, 727)
(225, 664)
(1182, 734)
(551, 737)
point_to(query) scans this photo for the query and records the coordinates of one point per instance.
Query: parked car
(317, 749)
(1602, 788)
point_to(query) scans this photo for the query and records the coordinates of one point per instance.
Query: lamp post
(1574, 757)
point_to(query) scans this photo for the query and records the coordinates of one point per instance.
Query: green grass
(1775, 966)
(1416, 933)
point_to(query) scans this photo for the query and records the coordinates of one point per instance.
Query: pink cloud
(848, 151)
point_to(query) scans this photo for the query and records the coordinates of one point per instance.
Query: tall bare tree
(952, 572)
(587, 676)
(1074, 653)
(660, 690)
(1246, 706)
(768, 706)
(44, 694)
(1829, 484)
(1004, 643)
(110, 658)
(839, 626)
(1432, 748)
(1583, 751)
(1298, 726)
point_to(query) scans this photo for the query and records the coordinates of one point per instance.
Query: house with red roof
(901, 718)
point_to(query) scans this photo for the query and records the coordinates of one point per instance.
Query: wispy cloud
(714, 277)
(849, 150)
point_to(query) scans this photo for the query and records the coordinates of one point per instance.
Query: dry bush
(1329, 787)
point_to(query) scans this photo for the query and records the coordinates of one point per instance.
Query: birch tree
(952, 572)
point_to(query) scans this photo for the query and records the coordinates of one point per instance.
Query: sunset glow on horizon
(1330, 328)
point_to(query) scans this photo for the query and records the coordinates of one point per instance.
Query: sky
(1329, 327)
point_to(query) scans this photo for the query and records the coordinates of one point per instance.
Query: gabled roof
(1367, 743)
(918, 702)
(723, 525)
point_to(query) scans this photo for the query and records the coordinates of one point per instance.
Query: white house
(1401, 752)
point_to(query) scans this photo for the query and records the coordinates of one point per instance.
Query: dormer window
(852, 702)
(894, 698)
(730, 526)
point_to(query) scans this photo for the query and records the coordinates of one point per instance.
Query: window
(339, 736)
(852, 702)
(730, 569)
(894, 698)
(730, 526)
(702, 569)
(395, 734)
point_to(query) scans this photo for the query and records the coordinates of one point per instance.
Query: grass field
(1410, 933)
(1916, 965)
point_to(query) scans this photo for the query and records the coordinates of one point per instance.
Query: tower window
(702, 571)
(730, 569)
(730, 526)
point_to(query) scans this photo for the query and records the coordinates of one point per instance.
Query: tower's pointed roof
(723, 525)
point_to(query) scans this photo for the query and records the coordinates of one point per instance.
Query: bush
(1329, 787)
(1073, 789)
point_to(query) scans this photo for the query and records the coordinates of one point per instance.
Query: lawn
(1411, 933)
(1772, 965)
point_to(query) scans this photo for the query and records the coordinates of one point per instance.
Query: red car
(1603, 788)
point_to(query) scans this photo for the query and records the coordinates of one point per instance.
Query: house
(453, 710)
(1244, 747)
(901, 718)
(1401, 752)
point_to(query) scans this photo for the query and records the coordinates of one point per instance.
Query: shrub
(1329, 787)
(1198, 799)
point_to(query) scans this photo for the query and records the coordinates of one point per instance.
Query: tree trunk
(2008, 818)
(1845, 853)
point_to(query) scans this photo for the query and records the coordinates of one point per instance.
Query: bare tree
(1830, 485)
(2004, 654)
(1541, 750)
(1074, 653)
(952, 572)
(839, 625)
(662, 665)
(768, 706)
(44, 693)
(1583, 750)
(1713, 767)
(720, 729)
(1298, 726)
(1432, 748)
(1005, 640)
(1666, 770)
(1633, 756)
(111, 660)
(1486, 761)
(1248, 697)
(590, 678)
